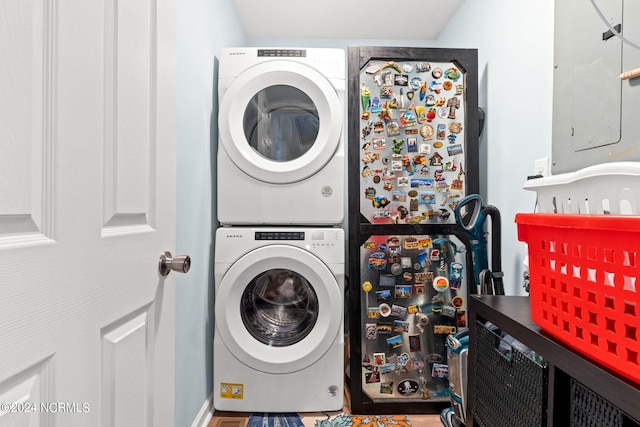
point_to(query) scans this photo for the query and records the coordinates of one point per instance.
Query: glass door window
(279, 307)
(281, 123)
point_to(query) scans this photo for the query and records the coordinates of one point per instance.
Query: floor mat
(274, 420)
(346, 420)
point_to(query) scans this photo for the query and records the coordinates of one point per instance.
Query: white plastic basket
(609, 188)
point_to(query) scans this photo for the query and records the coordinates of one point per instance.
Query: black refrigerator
(413, 124)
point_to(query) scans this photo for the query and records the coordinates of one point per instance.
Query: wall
(203, 28)
(515, 62)
(515, 49)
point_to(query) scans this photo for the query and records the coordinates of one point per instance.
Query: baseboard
(205, 413)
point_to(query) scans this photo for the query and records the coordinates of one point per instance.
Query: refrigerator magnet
(461, 318)
(389, 368)
(403, 291)
(431, 100)
(394, 65)
(398, 311)
(403, 359)
(383, 295)
(384, 328)
(423, 67)
(371, 332)
(434, 358)
(457, 302)
(418, 289)
(422, 321)
(440, 370)
(401, 326)
(414, 344)
(455, 127)
(372, 69)
(401, 80)
(395, 342)
(384, 310)
(393, 129)
(386, 387)
(452, 74)
(417, 364)
(448, 311)
(408, 387)
(379, 359)
(406, 261)
(444, 329)
(372, 377)
(396, 269)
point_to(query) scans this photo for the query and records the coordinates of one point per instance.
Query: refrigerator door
(414, 151)
(412, 156)
(412, 295)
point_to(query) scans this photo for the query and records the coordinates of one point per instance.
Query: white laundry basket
(602, 189)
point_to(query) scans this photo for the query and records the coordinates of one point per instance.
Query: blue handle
(474, 228)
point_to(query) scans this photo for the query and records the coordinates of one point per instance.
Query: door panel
(125, 371)
(26, 179)
(129, 119)
(87, 139)
(31, 385)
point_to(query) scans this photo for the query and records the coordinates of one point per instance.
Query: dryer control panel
(279, 235)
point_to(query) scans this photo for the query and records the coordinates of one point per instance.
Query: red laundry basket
(584, 273)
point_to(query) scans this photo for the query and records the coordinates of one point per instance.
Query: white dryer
(281, 151)
(279, 307)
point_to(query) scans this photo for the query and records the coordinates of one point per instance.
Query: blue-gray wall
(204, 26)
(515, 54)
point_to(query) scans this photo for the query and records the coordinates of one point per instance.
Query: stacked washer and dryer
(279, 253)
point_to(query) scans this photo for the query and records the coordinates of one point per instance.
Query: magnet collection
(412, 117)
(412, 289)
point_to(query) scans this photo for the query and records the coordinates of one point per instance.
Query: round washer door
(278, 309)
(280, 121)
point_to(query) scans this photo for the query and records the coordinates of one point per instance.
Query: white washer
(281, 157)
(279, 308)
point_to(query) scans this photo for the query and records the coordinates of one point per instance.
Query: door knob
(168, 262)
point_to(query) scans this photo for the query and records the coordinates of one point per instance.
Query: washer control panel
(287, 53)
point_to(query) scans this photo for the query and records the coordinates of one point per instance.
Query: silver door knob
(168, 262)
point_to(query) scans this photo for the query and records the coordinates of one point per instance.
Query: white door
(87, 182)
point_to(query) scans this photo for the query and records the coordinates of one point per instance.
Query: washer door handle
(179, 263)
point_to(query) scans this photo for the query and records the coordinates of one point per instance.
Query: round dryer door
(280, 121)
(278, 309)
